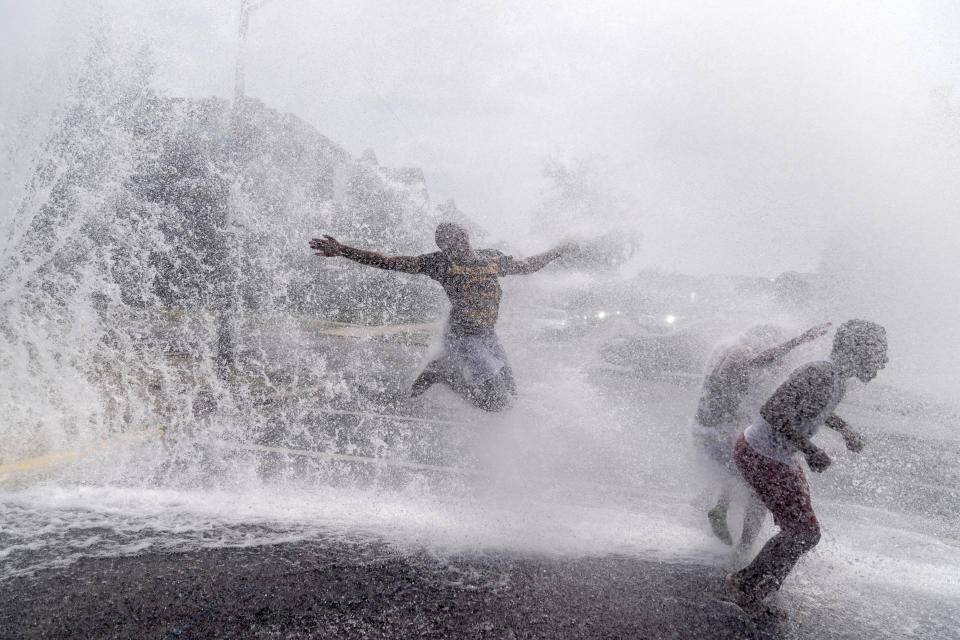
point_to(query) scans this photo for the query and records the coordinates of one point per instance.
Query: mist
(736, 138)
(145, 214)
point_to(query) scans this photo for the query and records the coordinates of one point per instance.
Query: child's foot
(423, 382)
(718, 523)
(746, 601)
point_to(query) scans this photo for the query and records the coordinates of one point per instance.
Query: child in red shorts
(766, 453)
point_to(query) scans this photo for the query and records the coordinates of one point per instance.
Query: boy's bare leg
(496, 394)
(752, 520)
(718, 515)
(432, 374)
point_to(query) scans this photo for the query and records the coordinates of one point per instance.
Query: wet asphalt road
(352, 589)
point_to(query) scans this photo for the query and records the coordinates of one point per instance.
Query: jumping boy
(473, 362)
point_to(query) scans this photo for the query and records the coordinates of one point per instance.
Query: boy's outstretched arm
(771, 356)
(852, 439)
(330, 247)
(539, 261)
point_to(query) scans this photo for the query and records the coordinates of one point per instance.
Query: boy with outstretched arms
(767, 454)
(723, 411)
(473, 362)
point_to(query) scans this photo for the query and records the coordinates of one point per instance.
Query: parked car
(666, 347)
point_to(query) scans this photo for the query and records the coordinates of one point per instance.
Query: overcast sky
(748, 137)
(712, 115)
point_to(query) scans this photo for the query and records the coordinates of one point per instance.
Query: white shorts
(718, 442)
(475, 358)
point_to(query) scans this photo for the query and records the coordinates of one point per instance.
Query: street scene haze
(479, 320)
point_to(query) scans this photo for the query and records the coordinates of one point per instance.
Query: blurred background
(164, 165)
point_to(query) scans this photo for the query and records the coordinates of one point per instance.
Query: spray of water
(155, 274)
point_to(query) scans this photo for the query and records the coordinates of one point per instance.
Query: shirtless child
(767, 453)
(473, 363)
(723, 412)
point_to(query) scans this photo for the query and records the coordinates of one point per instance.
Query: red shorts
(782, 488)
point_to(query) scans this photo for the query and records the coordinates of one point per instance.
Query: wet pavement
(366, 589)
(342, 587)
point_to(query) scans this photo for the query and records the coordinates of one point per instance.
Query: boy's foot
(750, 605)
(718, 523)
(423, 382)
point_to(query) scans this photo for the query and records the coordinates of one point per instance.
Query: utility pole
(241, 52)
(246, 8)
(227, 271)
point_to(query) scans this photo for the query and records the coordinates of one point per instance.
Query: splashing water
(155, 277)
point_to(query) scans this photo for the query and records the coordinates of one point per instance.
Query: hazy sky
(725, 126)
(751, 137)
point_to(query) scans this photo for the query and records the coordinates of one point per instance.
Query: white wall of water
(737, 139)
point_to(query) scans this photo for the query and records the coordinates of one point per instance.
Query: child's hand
(818, 460)
(853, 440)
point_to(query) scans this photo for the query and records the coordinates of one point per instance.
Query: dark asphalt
(337, 588)
(352, 589)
